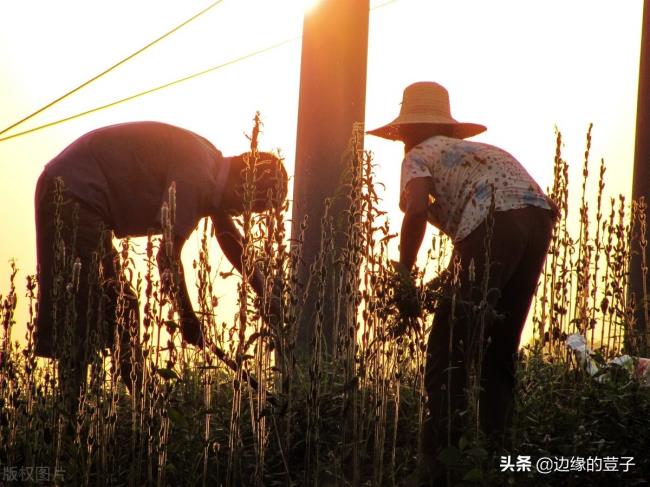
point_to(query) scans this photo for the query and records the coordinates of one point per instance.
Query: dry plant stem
(621, 268)
(260, 330)
(148, 319)
(549, 268)
(485, 309)
(643, 244)
(372, 384)
(247, 271)
(64, 319)
(348, 293)
(598, 246)
(554, 272)
(565, 288)
(583, 262)
(8, 384)
(628, 332)
(282, 333)
(294, 296)
(30, 373)
(207, 304)
(452, 320)
(267, 263)
(608, 305)
(168, 296)
(319, 269)
(385, 358)
(592, 299)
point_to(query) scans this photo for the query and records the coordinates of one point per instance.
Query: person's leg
(453, 343)
(441, 382)
(121, 317)
(442, 378)
(72, 242)
(85, 240)
(448, 348)
(44, 221)
(130, 353)
(514, 303)
(62, 231)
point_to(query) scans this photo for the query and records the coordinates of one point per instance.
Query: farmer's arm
(171, 261)
(415, 204)
(230, 241)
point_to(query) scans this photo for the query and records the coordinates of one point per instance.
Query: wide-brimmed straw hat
(427, 103)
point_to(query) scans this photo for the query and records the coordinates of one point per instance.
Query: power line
(157, 88)
(111, 68)
(151, 90)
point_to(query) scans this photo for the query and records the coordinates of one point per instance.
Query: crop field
(260, 407)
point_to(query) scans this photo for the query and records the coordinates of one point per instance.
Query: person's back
(463, 174)
(124, 172)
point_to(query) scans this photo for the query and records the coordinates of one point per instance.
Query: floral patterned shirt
(464, 173)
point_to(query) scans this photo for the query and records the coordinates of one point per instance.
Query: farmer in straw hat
(115, 180)
(452, 183)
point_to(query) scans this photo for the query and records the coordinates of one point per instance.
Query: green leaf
(474, 475)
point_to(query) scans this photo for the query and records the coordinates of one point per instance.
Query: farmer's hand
(191, 329)
(405, 292)
(436, 290)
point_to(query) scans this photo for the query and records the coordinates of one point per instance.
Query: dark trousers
(80, 300)
(519, 243)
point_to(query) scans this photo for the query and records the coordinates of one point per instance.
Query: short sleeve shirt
(465, 176)
(125, 171)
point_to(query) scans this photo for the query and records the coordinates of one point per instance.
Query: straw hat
(426, 102)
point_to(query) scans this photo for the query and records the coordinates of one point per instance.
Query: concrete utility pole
(641, 185)
(332, 99)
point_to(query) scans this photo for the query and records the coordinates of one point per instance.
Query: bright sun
(309, 4)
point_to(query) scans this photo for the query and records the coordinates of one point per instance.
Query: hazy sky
(520, 68)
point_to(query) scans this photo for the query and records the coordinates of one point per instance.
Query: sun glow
(310, 4)
(40, 59)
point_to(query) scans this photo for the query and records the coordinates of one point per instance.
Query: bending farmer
(452, 183)
(114, 180)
